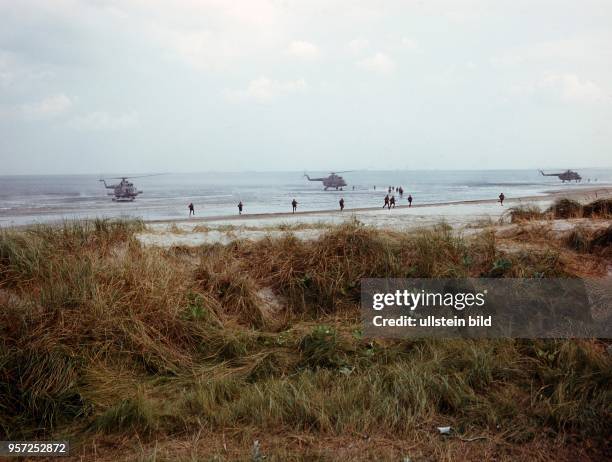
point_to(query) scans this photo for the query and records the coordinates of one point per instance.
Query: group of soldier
(389, 201)
(390, 198)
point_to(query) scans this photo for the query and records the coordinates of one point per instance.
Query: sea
(54, 198)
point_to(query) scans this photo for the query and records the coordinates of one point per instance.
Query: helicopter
(124, 191)
(568, 175)
(332, 181)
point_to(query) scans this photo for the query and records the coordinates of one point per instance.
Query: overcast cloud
(89, 86)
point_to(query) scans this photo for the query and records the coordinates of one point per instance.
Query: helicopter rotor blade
(129, 177)
(145, 176)
(343, 171)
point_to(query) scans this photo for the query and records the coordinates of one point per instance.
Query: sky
(91, 86)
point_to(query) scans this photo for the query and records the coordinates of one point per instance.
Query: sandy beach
(461, 215)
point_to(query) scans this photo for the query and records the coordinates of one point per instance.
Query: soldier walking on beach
(294, 205)
(501, 198)
(392, 202)
(191, 210)
(409, 200)
(401, 191)
(240, 208)
(386, 204)
(341, 202)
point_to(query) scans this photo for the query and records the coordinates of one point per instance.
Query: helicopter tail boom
(314, 179)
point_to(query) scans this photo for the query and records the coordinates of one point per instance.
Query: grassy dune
(192, 354)
(562, 208)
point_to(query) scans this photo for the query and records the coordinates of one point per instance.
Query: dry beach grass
(143, 353)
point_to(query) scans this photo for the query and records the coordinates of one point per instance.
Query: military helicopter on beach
(332, 181)
(124, 191)
(568, 175)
